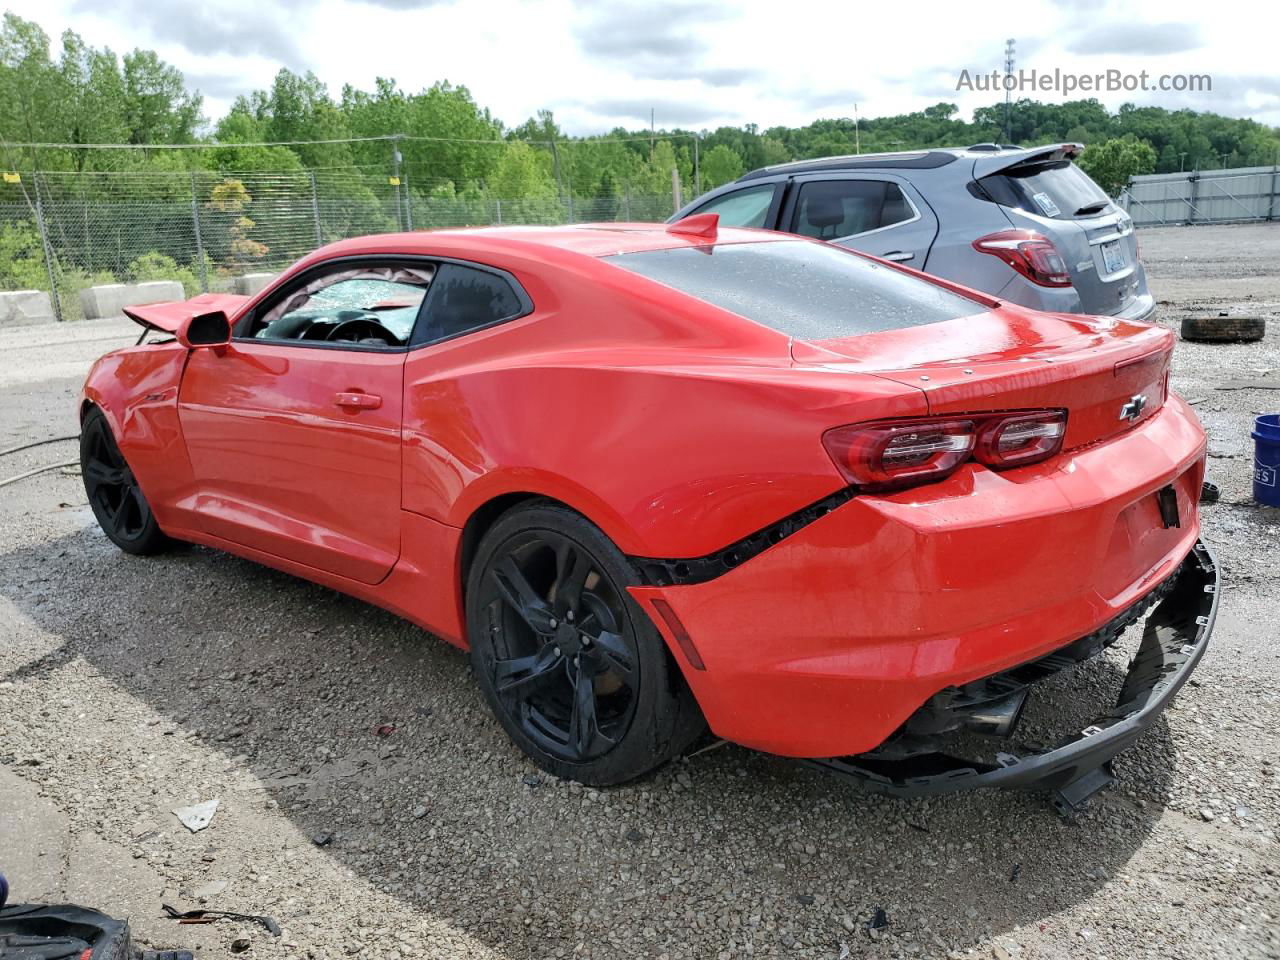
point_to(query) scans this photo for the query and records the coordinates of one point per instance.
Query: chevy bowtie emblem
(1132, 410)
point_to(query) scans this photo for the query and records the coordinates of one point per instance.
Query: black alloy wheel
(574, 670)
(114, 495)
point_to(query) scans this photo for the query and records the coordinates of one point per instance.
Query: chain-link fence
(63, 232)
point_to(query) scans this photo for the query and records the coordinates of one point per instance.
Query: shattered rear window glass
(810, 291)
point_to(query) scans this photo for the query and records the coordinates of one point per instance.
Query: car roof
(910, 160)
(589, 239)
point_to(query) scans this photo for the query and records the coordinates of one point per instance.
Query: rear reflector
(679, 634)
(1031, 254)
(892, 454)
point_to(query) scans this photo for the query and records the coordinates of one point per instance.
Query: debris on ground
(197, 816)
(212, 916)
(878, 924)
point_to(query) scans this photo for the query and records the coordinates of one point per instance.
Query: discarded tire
(1222, 328)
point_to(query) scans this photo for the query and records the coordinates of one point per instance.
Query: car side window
(741, 208)
(463, 299)
(830, 209)
(373, 306)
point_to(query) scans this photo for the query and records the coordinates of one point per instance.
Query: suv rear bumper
(1173, 641)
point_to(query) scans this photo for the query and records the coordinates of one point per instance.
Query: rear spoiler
(168, 317)
(1036, 156)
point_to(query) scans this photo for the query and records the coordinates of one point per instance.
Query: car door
(294, 436)
(878, 214)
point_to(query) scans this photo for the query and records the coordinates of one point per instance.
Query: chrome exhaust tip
(996, 718)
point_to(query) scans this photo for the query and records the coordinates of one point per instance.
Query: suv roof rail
(913, 160)
(984, 146)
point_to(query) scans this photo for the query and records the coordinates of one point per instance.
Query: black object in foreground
(32, 931)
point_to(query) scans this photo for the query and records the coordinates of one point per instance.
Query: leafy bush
(21, 258)
(159, 266)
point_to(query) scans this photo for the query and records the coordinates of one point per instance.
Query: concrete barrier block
(250, 283)
(22, 307)
(110, 299)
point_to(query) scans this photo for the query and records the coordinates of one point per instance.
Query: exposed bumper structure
(1173, 641)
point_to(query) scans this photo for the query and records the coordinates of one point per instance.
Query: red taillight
(1031, 254)
(892, 454)
(880, 456)
(1019, 439)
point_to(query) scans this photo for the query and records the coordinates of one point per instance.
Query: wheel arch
(483, 513)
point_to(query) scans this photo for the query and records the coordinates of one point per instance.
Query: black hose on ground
(37, 443)
(31, 473)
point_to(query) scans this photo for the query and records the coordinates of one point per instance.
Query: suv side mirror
(205, 330)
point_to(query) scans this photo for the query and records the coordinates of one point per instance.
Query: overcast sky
(698, 64)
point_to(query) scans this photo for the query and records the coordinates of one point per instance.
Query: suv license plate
(1112, 256)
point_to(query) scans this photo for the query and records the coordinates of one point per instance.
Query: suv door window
(741, 208)
(833, 209)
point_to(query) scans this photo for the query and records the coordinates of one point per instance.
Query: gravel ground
(132, 686)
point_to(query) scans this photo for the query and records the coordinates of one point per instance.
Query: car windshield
(810, 291)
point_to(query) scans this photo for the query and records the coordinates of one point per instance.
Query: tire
(1223, 329)
(547, 609)
(117, 501)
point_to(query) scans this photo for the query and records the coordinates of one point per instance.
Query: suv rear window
(810, 291)
(1058, 190)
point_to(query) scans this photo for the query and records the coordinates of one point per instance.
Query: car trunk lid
(1108, 375)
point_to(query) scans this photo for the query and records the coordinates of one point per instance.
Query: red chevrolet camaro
(663, 479)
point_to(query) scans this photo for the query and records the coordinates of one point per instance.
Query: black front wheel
(573, 669)
(117, 501)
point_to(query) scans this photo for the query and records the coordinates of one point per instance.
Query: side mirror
(205, 330)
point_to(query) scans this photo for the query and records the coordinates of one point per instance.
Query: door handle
(357, 401)
(899, 255)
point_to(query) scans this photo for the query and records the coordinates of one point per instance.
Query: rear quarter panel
(675, 437)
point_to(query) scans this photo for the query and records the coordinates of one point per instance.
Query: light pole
(1008, 88)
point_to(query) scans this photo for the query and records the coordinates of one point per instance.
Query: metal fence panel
(1216, 196)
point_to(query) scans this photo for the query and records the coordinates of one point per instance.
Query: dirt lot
(129, 687)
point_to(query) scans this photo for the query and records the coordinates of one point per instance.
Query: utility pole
(651, 132)
(1008, 89)
(697, 172)
(395, 176)
(857, 137)
(195, 223)
(555, 165)
(48, 250)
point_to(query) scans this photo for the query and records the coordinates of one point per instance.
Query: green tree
(1113, 162)
(720, 165)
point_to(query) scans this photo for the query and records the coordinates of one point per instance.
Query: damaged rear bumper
(1174, 639)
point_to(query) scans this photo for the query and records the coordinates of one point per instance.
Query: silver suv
(1025, 225)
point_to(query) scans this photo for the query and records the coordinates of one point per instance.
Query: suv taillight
(1032, 254)
(892, 454)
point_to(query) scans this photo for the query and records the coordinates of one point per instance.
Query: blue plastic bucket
(1266, 459)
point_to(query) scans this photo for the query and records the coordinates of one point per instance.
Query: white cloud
(701, 63)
